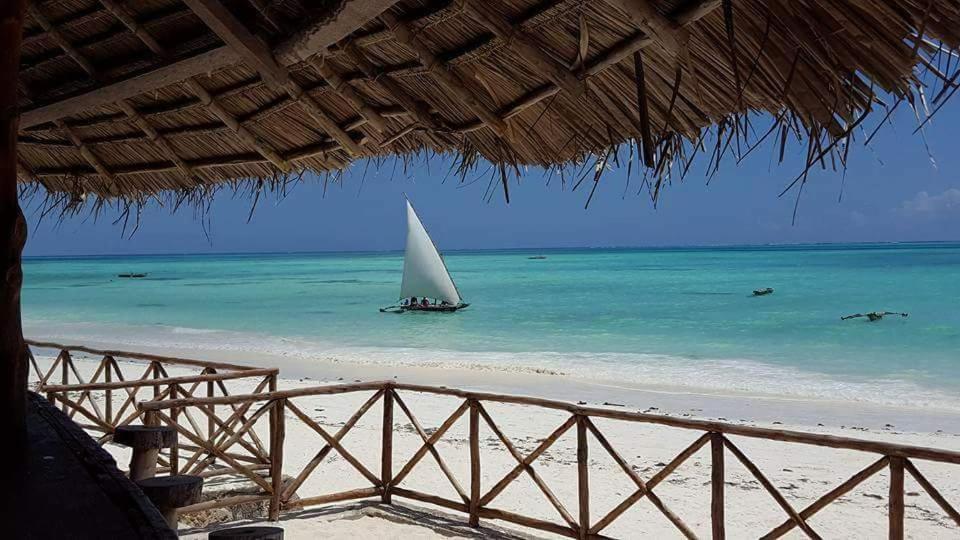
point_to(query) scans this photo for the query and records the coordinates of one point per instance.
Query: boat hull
(425, 309)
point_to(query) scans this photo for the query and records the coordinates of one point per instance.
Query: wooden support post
(583, 476)
(13, 235)
(716, 481)
(386, 451)
(474, 463)
(895, 512)
(277, 432)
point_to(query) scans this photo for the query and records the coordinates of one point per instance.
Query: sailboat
(426, 285)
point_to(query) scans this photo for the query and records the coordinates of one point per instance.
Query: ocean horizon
(667, 316)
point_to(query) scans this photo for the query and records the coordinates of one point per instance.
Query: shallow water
(678, 317)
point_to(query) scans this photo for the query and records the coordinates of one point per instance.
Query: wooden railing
(118, 382)
(476, 504)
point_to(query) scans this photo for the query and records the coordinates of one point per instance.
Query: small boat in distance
(537, 257)
(427, 285)
(763, 292)
(131, 275)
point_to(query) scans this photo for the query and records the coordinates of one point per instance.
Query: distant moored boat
(427, 285)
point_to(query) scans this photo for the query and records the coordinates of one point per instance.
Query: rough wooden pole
(386, 453)
(716, 480)
(895, 513)
(13, 234)
(474, 463)
(108, 397)
(174, 415)
(277, 433)
(65, 375)
(583, 476)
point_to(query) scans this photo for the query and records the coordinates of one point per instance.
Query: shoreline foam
(725, 388)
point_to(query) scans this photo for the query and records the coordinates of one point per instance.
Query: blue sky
(892, 192)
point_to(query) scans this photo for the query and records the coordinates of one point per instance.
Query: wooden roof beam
(258, 56)
(90, 157)
(354, 14)
(248, 47)
(166, 75)
(695, 12)
(316, 38)
(419, 111)
(351, 96)
(644, 15)
(60, 39)
(158, 140)
(122, 14)
(243, 133)
(447, 77)
(522, 44)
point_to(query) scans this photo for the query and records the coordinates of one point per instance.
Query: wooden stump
(247, 533)
(171, 492)
(146, 442)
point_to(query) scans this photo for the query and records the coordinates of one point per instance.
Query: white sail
(424, 273)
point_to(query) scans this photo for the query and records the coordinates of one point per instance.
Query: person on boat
(425, 303)
(413, 301)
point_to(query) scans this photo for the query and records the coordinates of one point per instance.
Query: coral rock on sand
(223, 487)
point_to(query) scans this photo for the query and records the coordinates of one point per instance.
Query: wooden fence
(118, 382)
(476, 504)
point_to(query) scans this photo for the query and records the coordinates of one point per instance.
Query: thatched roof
(129, 99)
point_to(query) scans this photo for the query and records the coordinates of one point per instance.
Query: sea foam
(675, 374)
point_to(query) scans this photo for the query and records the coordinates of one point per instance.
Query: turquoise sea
(662, 317)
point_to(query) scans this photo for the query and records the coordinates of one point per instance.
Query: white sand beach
(802, 473)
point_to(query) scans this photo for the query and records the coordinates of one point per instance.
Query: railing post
(174, 450)
(474, 463)
(65, 375)
(108, 395)
(155, 367)
(583, 476)
(716, 481)
(895, 512)
(386, 452)
(211, 412)
(277, 432)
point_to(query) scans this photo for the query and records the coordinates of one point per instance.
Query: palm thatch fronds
(133, 100)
